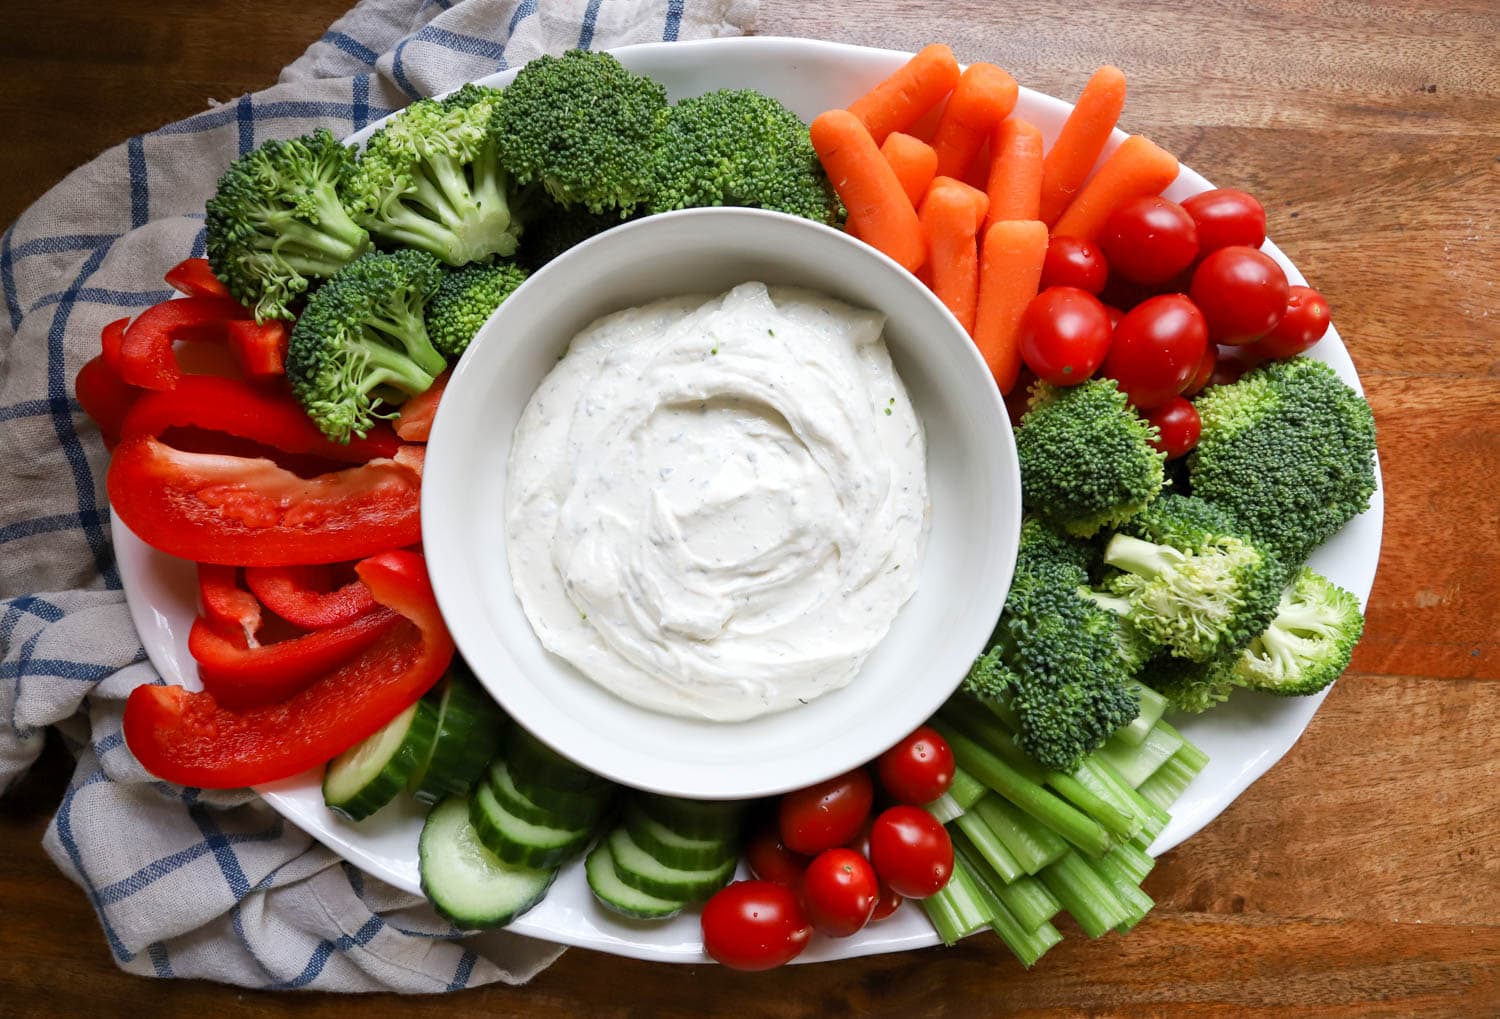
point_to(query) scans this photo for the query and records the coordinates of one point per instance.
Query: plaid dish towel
(186, 882)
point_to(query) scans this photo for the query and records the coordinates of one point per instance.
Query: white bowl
(973, 481)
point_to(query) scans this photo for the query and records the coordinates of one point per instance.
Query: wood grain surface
(1361, 876)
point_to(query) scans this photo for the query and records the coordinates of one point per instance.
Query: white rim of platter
(1243, 737)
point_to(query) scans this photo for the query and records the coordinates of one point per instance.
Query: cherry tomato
(1231, 363)
(769, 860)
(1074, 262)
(1205, 370)
(911, 851)
(1115, 314)
(1156, 349)
(918, 769)
(1242, 294)
(754, 925)
(1302, 324)
(1177, 420)
(1064, 335)
(827, 814)
(1149, 240)
(839, 892)
(1226, 218)
(887, 904)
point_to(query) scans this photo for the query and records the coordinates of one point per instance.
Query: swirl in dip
(716, 507)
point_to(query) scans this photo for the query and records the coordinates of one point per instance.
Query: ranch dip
(717, 506)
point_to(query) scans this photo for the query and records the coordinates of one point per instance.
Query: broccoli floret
(556, 228)
(430, 179)
(1086, 457)
(582, 126)
(1041, 544)
(1289, 452)
(1193, 581)
(1190, 686)
(739, 147)
(1309, 643)
(990, 676)
(362, 342)
(465, 299)
(1136, 645)
(277, 221)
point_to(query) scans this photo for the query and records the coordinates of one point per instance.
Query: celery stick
(1029, 902)
(1028, 941)
(1135, 764)
(1089, 898)
(989, 847)
(958, 909)
(945, 808)
(1153, 705)
(1152, 817)
(1032, 843)
(1134, 860)
(1137, 902)
(966, 790)
(1194, 758)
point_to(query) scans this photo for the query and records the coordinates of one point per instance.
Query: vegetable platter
(1242, 738)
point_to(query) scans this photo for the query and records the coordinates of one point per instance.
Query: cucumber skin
(457, 916)
(497, 841)
(552, 808)
(601, 859)
(695, 819)
(664, 889)
(707, 854)
(467, 739)
(536, 764)
(393, 776)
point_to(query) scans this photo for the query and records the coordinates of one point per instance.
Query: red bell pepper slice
(194, 277)
(146, 355)
(186, 737)
(228, 606)
(301, 595)
(104, 397)
(245, 677)
(259, 347)
(111, 339)
(414, 423)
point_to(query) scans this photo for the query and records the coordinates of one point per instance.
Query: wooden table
(1362, 875)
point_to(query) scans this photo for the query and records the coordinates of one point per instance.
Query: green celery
(1137, 902)
(1029, 942)
(1135, 860)
(1152, 817)
(1088, 898)
(1025, 897)
(1153, 705)
(945, 808)
(1193, 757)
(959, 908)
(966, 790)
(989, 847)
(1032, 843)
(1135, 764)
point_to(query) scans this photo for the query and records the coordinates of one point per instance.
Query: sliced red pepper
(147, 358)
(414, 423)
(260, 348)
(188, 738)
(194, 277)
(301, 595)
(105, 397)
(228, 606)
(111, 339)
(246, 677)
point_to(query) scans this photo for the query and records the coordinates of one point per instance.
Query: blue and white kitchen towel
(190, 883)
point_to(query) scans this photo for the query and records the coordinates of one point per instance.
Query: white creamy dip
(716, 507)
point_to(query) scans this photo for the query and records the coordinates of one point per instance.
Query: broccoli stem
(403, 327)
(391, 368)
(1032, 843)
(337, 226)
(310, 249)
(1143, 558)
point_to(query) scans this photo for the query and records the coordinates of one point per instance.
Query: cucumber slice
(617, 896)
(516, 841)
(465, 881)
(367, 776)
(673, 849)
(435, 699)
(696, 819)
(534, 763)
(468, 736)
(643, 872)
(555, 808)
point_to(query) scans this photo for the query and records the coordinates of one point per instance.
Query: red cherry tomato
(1204, 372)
(1064, 335)
(887, 904)
(827, 814)
(1226, 218)
(918, 769)
(1157, 347)
(1149, 240)
(1177, 420)
(1302, 324)
(1231, 363)
(754, 925)
(1115, 314)
(1242, 294)
(769, 860)
(839, 892)
(1074, 262)
(911, 851)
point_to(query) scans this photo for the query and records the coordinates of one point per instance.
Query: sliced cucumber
(467, 883)
(673, 849)
(642, 871)
(518, 841)
(470, 728)
(619, 897)
(534, 763)
(434, 699)
(367, 776)
(555, 808)
(697, 819)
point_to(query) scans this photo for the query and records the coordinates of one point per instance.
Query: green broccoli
(277, 221)
(1041, 543)
(1309, 643)
(1136, 645)
(582, 126)
(739, 147)
(1086, 457)
(362, 342)
(430, 180)
(1194, 583)
(1289, 451)
(556, 228)
(465, 299)
(1191, 686)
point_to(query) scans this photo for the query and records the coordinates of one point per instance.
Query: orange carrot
(896, 103)
(1082, 138)
(983, 97)
(914, 162)
(1138, 167)
(878, 207)
(1010, 268)
(951, 214)
(1015, 184)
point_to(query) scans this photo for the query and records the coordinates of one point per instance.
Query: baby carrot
(983, 97)
(914, 162)
(1138, 167)
(920, 84)
(951, 215)
(1015, 183)
(1082, 138)
(878, 207)
(1010, 268)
